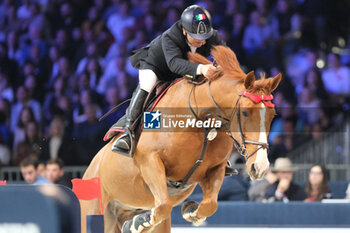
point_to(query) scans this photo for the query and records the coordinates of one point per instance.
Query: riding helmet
(197, 22)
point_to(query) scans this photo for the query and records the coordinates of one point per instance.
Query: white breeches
(147, 79)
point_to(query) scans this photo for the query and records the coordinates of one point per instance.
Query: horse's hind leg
(110, 219)
(153, 173)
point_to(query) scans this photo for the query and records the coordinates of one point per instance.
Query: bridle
(241, 147)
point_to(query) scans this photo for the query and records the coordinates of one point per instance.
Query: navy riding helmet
(197, 22)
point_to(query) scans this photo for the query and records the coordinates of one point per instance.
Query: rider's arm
(175, 60)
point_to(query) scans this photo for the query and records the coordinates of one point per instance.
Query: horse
(136, 193)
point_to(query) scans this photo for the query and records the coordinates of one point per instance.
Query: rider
(165, 58)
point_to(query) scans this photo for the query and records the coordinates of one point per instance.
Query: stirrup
(229, 171)
(125, 151)
(123, 142)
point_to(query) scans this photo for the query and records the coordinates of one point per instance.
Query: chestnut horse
(135, 191)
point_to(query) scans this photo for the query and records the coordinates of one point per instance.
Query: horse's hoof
(189, 213)
(126, 228)
(188, 206)
(138, 223)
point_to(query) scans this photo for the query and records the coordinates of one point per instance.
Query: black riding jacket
(166, 55)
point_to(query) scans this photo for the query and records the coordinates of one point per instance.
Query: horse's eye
(245, 113)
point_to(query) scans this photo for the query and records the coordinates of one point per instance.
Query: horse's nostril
(253, 169)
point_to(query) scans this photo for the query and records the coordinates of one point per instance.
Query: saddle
(151, 101)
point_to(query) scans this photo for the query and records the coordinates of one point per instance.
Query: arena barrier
(38, 209)
(56, 209)
(275, 214)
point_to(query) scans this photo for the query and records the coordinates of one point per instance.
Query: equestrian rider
(165, 58)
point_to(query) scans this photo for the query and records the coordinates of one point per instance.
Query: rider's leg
(147, 79)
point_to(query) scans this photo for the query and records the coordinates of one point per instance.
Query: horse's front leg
(153, 173)
(210, 185)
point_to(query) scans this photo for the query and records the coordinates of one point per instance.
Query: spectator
(91, 53)
(50, 106)
(86, 97)
(33, 38)
(234, 188)
(317, 186)
(288, 140)
(54, 55)
(298, 64)
(95, 23)
(25, 117)
(257, 42)
(95, 72)
(284, 189)
(336, 77)
(12, 22)
(41, 168)
(308, 107)
(314, 82)
(5, 154)
(54, 172)
(89, 134)
(7, 66)
(115, 67)
(40, 63)
(24, 100)
(119, 20)
(57, 145)
(149, 25)
(287, 28)
(172, 15)
(23, 11)
(112, 99)
(235, 42)
(4, 121)
(33, 86)
(66, 19)
(6, 91)
(64, 110)
(63, 44)
(4, 6)
(14, 53)
(29, 170)
(257, 189)
(32, 137)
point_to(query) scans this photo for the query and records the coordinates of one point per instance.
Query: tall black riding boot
(123, 143)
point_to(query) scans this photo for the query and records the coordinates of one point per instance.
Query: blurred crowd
(63, 64)
(279, 185)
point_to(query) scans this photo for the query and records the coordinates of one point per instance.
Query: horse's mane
(225, 58)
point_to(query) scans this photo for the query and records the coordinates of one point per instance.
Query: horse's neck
(225, 92)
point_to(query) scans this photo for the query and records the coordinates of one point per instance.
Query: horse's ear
(274, 82)
(249, 80)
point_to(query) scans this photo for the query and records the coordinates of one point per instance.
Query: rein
(241, 147)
